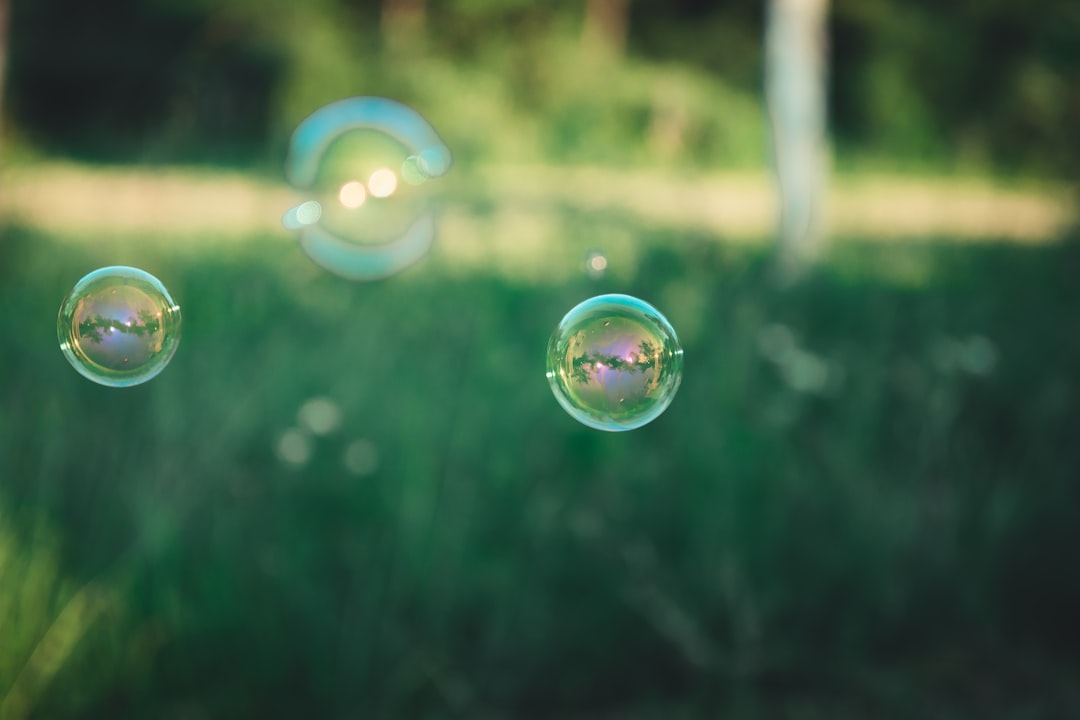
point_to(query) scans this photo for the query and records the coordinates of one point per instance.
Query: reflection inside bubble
(120, 328)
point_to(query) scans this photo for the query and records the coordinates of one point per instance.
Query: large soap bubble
(368, 164)
(614, 363)
(119, 326)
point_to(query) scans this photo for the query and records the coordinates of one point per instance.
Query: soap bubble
(596, 264)
(119, 326)
(614, 363)
(368, 164)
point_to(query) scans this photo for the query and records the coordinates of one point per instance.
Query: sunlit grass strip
(82, 202)
(55, 647)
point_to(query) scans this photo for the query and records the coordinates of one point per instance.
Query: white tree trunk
(5, 9)
(403, 24)
(606, 24)
(795, 77)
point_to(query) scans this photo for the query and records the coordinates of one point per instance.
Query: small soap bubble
(614, 363)
(596, 264)
(119, 326)
(367, 164)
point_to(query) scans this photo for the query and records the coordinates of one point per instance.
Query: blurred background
(353, 500)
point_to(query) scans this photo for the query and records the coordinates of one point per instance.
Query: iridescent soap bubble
(367, 165)
(119, 326)
(614, 363)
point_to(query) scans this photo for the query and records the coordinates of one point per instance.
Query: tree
(795, 94)
(402, 23)
(5, 13)
(606, 23)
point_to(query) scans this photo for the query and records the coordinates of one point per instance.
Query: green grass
(877, 522)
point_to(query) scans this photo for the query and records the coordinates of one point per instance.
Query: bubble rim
(82, 363)
(315, 133)
(623, 306)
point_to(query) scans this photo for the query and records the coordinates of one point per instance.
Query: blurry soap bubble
(943, 354)
(804, 371)
(975, 355)
(320, 416)
(294, 446)
(119, 326)
(614, 363)
(368, 166)
(978, 355)
(775, 342)
(596, 264)
(361, 457)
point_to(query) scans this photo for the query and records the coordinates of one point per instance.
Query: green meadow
(860, 504)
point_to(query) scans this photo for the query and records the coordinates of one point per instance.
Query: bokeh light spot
(361, 457)
(382, 183)
(352, 194)
(596, 264)
(320, 415)
(294, 447)
(309, 212)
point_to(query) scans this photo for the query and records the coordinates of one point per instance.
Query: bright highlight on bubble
(368, 166)
(119, 326)
(614, 363)
(304, 214)
(383, 183)
(352, 194)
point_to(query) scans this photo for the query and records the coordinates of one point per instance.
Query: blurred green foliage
(54, 630)
(967, 86)
(891, 539)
